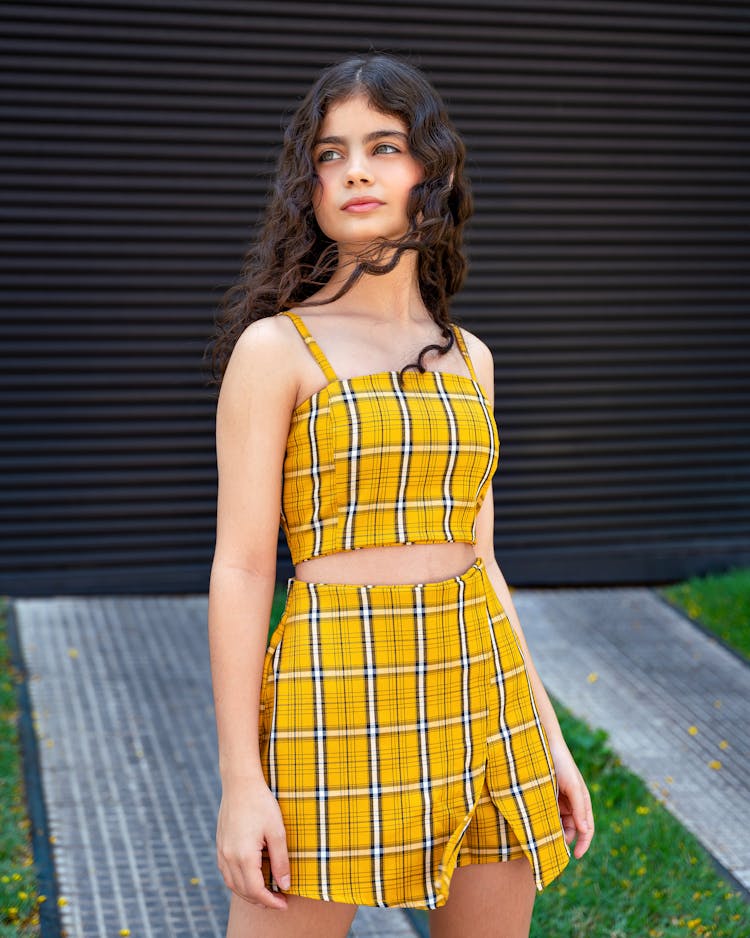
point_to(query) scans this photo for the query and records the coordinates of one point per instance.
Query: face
(365, 174)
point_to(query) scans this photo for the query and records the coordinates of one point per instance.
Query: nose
(358, 172)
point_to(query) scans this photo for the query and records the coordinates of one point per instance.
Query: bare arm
(252, 421)
(575, 801)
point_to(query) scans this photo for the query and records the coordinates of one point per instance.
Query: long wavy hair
(292, 258)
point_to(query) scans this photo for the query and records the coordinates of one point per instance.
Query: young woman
(393, 745)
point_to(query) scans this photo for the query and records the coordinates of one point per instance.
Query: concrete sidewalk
(122, 701)
(626, 661)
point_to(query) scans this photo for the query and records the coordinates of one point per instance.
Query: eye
(325, 156)
(391, 148)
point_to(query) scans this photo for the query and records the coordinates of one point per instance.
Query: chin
(366, 236)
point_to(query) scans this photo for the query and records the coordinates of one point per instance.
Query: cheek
(320, 199)
(408, 177)
(417, 175)
(327, 185)
(324, 208)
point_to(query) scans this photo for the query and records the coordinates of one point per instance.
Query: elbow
(251, 568)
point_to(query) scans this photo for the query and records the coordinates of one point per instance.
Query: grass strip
(719, 602)
(644, 873)
(19, 898)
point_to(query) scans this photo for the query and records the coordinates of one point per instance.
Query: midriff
(400, 563)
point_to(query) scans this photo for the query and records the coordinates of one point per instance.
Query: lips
(361, 204)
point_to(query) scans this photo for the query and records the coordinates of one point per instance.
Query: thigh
(314, 918)
(496, 898)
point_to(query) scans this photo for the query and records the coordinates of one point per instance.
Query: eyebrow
(375, 135)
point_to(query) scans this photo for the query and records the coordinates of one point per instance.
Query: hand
(574, 801)
(249, 819)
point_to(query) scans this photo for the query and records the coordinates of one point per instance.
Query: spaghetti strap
(312, 345)
(464, 350)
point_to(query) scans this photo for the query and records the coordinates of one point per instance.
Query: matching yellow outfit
(398, 727)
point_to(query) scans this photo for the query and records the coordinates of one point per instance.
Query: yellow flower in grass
(714, 764)
(642, 809)
(723, 744)
(693, 730)
(593, 677)
(124, 932)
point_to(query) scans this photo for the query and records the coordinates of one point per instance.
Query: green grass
(18, 892)
(720, 602)
(644, 875)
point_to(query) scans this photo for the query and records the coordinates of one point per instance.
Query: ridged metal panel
(609, 270)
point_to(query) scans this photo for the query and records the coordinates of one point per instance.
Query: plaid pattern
(400, 735)
(370, 465)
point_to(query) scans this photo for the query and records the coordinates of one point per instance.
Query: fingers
(245, 878)
(582, 818)
(576, 813)
(250, 821)
(279, 857)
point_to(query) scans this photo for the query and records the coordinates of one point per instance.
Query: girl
(393, 745)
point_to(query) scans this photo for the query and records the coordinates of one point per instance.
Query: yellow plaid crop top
(368, 464)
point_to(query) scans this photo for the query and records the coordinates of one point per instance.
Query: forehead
(356, 114)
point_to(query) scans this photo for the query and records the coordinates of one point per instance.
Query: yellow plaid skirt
(400, 735)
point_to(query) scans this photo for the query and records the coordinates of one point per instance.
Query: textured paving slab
(122, 699)
(656, 676)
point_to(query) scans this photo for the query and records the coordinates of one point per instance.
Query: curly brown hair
(292, 258)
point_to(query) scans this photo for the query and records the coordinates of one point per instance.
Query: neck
(394, 296)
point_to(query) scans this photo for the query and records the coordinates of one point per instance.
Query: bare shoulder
(267, 341)
(481, 356)
(478, 349)
(263, 362)
(270, 335)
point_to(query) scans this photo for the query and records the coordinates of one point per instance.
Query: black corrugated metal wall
(609, 157)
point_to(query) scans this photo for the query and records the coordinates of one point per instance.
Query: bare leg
(487, 900)
(313, 918)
